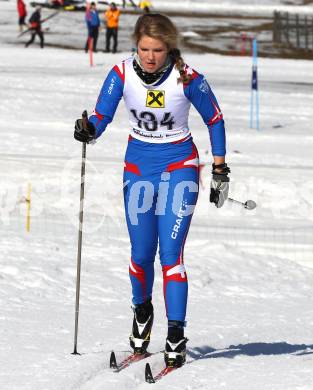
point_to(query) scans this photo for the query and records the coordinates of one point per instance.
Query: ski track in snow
(250, 317)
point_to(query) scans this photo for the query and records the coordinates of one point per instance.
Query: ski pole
(42, 21)
(249, 204)
(80, 234)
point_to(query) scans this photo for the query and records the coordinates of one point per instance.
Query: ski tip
(148, 374)
(113, 363)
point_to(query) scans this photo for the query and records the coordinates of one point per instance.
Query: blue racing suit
(160, 181)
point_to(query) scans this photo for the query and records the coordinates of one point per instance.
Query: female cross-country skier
(161, 171)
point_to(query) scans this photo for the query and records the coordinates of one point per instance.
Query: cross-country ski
(126, 362)
(42, 21)
(152, 379)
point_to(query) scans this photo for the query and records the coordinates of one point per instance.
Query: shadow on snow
(251, 349)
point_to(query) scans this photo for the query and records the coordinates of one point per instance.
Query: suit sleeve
(108, 100)
(202, 98)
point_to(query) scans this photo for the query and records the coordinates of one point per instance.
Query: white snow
(250, 317)
(240, 8)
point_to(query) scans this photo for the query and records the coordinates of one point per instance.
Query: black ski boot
(142, 325)
(175, 347)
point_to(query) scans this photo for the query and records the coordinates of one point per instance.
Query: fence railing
(293, 30)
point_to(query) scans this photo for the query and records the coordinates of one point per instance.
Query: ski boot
(175, 347)
(142, 325)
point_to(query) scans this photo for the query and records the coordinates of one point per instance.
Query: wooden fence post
(298, 31)
(306, 32)
(293, 30)
(275, 27)
(287, 28)
(312, 33)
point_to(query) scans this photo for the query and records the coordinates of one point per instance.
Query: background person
(145, 6)
(35, 25)
(161, 173)
(93, 23)
(22, 13)
(111, 17)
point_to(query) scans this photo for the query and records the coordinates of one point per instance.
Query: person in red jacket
(22, 13)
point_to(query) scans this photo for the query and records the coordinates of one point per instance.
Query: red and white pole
(90, 45)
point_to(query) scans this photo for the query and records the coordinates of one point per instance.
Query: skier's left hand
(219, 184)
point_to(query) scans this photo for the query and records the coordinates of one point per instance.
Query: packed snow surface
(250, 316)
(239, 7)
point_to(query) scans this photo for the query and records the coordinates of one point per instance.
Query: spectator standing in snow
(111, 17)
(131, 2)
(145, 6)
(35, 25)
(22, 13)
(93, 23)
(161, 171)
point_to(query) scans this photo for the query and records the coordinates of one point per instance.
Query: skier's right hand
(219, 184)
(84, 130)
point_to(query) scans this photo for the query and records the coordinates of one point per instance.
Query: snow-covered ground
(250, 317)
(241, 7)
(68, 29)
(233, 7)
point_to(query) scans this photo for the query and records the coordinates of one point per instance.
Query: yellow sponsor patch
(155, 98)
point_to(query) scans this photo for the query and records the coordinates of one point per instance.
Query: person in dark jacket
(22, 13)
(35, 25)
(93, 24)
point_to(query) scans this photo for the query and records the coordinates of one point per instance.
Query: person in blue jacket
(93, 23)
(161, 173)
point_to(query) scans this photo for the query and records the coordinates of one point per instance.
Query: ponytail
(180, 66)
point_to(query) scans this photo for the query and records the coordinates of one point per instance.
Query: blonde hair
(160, 27)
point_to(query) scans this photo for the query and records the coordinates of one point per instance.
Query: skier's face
(152, 53)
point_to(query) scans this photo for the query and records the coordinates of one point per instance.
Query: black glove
(84, 130)
(219, 184)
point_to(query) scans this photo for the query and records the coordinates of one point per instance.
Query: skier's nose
(150, 56)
